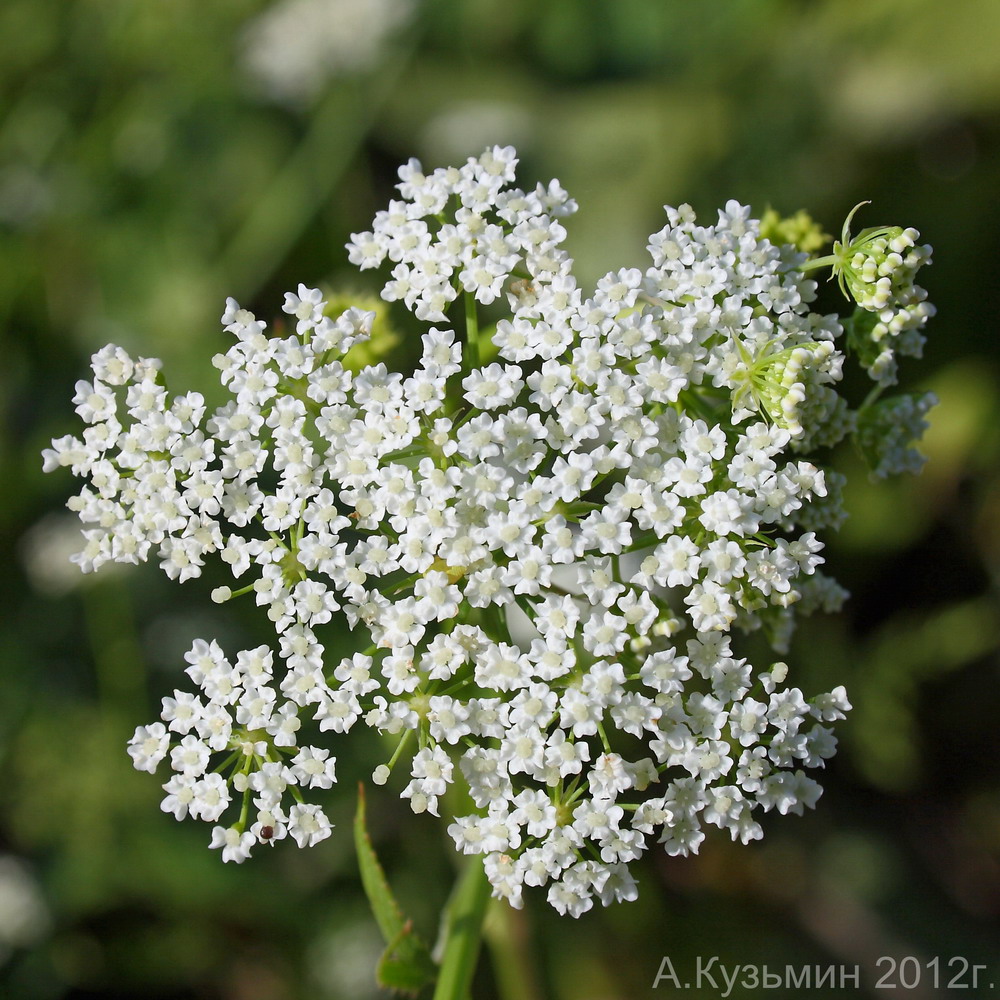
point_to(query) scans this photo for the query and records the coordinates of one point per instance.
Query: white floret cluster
(546, 552)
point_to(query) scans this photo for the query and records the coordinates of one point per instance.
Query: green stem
(812, 265)
(872, 396)
(399, 748)
(463, 933)
(472, 330)
(509, 942)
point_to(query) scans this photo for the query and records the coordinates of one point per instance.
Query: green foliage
(406, 965)
(907, 652)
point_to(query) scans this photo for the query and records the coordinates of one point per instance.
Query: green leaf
(387, 913)
(406, 965)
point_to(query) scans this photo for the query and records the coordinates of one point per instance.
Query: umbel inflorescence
(544, 536)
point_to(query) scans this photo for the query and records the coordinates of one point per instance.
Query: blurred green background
(157, 156)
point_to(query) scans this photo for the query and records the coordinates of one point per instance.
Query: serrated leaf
(387, 913)
(406, 964)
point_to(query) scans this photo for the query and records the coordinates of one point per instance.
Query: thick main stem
(463, 933)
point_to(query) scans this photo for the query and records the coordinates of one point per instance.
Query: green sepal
(406, 965)
(859, 326)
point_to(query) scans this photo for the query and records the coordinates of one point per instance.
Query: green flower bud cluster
(877, 269)
(800, 230)
(780, 384)
(887, 431)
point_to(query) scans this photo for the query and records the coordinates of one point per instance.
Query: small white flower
(235, 846)
(308, 825)
(149, 746)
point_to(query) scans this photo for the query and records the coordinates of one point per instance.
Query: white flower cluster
(241, 721)
(548, 552)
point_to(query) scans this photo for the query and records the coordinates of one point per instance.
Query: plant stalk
(471, 330)
(463, 934)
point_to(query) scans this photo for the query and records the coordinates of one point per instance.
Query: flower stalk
(463, 933)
